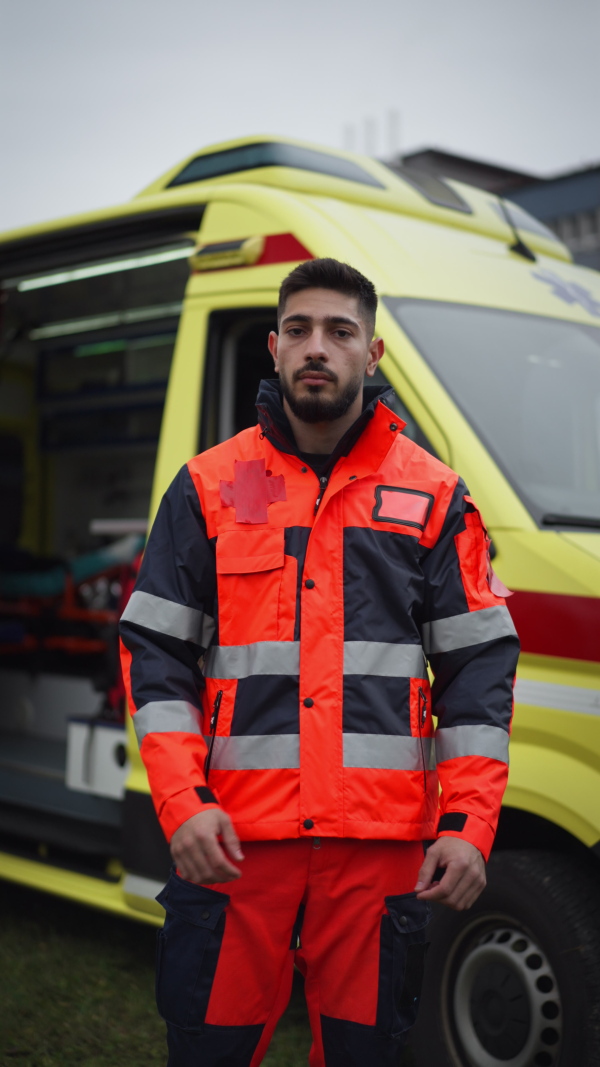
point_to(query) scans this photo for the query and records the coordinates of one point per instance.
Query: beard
(317, 408)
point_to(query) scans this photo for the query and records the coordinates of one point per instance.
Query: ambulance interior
(84, 362)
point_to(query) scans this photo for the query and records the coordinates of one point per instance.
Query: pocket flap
(193, 903)
(407, 913)
(247, 551)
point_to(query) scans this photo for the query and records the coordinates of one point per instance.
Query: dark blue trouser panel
(225, 954)
(347, 1044)
(213, 1046)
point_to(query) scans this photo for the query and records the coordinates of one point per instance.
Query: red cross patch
(252, 490)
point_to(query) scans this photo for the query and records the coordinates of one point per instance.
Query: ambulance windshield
(530, 387)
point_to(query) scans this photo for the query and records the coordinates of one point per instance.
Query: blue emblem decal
(570, 292)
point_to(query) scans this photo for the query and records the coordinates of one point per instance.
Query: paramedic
(297, 581)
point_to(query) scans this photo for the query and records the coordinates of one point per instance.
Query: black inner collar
(276, 426)
(317, 460)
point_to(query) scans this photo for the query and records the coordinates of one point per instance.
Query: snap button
(268, 474)
(308, 824)
(206, 915)
(308, 702)
(303, 470)
(352, 478)
(309, 583)
(393, 425)
(403, 920)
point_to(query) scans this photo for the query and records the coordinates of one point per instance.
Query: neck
(322, 437)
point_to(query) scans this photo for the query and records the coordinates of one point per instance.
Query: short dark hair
(331, 274)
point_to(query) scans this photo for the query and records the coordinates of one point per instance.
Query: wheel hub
(506, 1002)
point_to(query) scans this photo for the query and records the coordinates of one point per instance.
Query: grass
(77, 990)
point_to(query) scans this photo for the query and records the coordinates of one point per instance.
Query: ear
(376, 350)
(273, 339)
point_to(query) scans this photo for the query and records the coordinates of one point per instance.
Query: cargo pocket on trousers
(401, 962)
(188, 948)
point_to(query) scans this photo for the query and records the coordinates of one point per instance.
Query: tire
(515, 981)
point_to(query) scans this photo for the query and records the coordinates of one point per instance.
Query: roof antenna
(519, 246)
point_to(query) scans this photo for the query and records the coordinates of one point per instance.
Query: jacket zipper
(213, 730)
(323, 484)
(422, 715)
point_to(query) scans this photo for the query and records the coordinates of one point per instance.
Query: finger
(470, 886)
(221, 870)
(446, 887)
(199, 868)
(191, 860)
(457, 896)
(428, 868)
(461, 893)
(191, 864)
(189, 871)
(231, 839)
(468, 891)
(181, 859)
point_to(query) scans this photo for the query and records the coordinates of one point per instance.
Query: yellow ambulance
(134, 337)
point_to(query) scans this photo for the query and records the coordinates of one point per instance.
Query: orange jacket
(284, 622)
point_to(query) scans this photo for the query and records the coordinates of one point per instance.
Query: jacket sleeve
(472, 647)
(165, 628)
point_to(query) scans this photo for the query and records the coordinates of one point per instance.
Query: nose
(315, 347)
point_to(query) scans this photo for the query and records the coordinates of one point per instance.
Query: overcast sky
(98, 99)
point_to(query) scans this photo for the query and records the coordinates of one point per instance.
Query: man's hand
(196, 850)
(464, 876)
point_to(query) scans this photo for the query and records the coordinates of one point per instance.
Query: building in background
(568, 203)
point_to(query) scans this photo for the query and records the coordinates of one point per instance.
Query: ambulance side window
(237, 359)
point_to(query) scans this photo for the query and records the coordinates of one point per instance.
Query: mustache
(317, 368)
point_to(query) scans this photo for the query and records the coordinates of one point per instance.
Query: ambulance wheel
(515, 981)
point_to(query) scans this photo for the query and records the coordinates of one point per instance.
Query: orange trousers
(342, 910)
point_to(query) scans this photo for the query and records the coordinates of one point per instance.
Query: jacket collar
(276, 428)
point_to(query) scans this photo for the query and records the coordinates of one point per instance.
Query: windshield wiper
(571, 520)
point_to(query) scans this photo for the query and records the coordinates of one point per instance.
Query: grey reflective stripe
(264, 657)
(167, 617)
(472, 628)
(455, 741)
(384, 659)
(386, 752)
(256, 753)
(164, 716)
(283, 657)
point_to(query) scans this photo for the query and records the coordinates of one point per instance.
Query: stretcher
(69, 608)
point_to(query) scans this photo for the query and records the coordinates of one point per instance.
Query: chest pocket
(256, 585)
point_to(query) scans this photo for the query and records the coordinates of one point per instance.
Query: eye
(343, 333)
(295, 331)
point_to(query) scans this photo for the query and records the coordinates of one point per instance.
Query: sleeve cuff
(469, 828)
(181, 807)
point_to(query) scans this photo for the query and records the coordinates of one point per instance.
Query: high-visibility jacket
(284, 623)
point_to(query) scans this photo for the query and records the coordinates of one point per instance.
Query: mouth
(314, 378)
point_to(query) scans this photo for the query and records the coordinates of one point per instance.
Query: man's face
(322, 353)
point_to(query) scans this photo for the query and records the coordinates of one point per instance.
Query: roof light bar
(96, 270)
(216, 256)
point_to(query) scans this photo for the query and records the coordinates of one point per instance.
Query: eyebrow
(329, 320)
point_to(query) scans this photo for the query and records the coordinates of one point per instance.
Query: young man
(295, 580)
